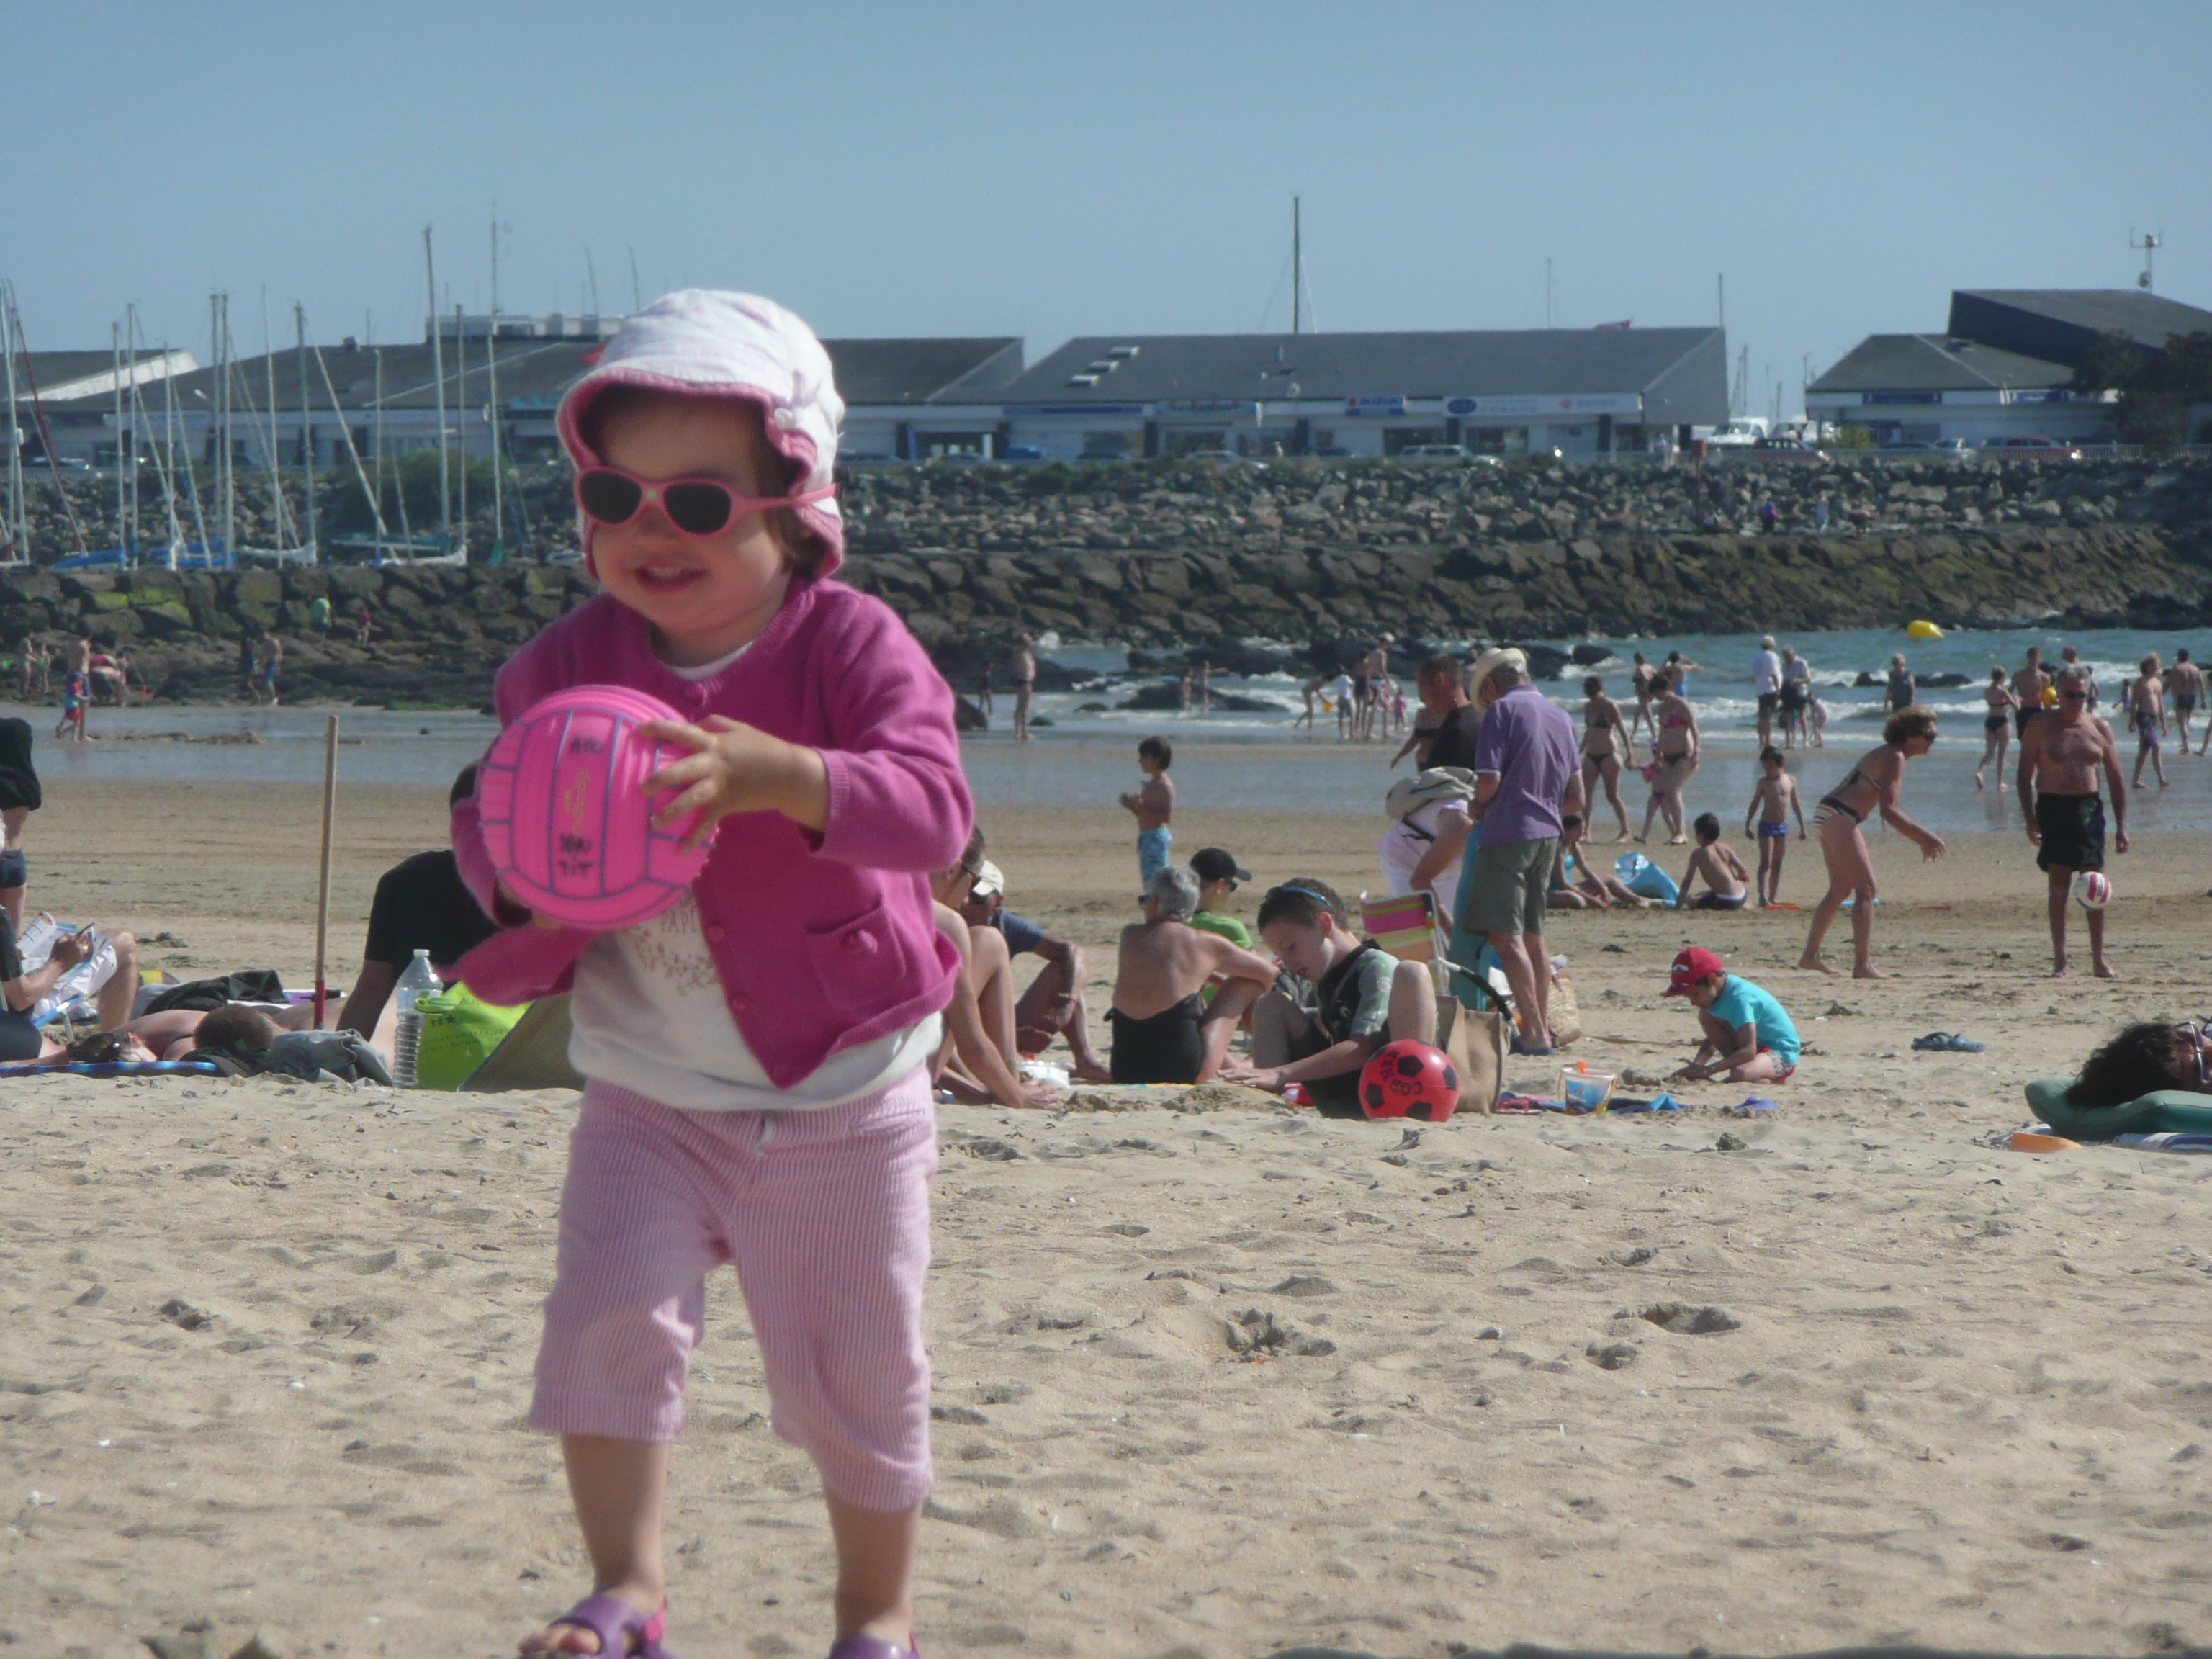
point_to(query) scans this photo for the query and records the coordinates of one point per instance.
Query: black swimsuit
(1164, 1048)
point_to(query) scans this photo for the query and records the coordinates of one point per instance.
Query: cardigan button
(715, 935)
(739, 1001)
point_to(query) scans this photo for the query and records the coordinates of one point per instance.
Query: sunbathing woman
(1875, 782)
(2142, 1059)
(1606, 745)
(1677, 746)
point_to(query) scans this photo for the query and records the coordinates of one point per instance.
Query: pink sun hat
(708, 343)
(565, 815)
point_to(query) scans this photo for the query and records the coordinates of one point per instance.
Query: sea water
(1256, 760)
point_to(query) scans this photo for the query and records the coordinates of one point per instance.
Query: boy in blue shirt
(1746, 1034)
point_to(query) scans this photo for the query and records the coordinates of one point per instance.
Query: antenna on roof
(2147, 244)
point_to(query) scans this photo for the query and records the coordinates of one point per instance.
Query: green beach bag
(459, 1031)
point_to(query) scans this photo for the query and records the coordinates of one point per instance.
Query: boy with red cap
(1746, 1034)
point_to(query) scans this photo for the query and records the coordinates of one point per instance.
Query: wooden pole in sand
(323, 897)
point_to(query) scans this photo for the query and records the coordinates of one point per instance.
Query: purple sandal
(614, 1622)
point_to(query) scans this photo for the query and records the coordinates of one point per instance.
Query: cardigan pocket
(860, 963)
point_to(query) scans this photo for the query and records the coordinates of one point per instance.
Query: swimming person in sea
(757, 1056)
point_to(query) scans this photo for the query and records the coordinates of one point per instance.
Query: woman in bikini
(1643, 680)
(1603, 730)
(1676, 747)
(1997, 726)
(1873, 784)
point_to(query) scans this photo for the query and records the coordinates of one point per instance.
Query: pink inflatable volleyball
(565, 817)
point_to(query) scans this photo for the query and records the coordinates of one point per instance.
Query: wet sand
(1211, 1382)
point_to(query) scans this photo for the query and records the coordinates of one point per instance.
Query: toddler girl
(756, 1056)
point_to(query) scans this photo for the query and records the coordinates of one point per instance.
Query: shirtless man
(1024, 685)
(2146, 701)
(2028, 686)
(2069, 656)
(1374, 668)
(2185, 685)
(2060, 757)
(1163, 1031)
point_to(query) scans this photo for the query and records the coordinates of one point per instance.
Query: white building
(1585, 391)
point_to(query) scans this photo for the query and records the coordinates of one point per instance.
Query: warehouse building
(2004, 367)
(1584, 391)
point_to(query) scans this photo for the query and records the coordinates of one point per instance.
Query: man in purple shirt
(1526, 773)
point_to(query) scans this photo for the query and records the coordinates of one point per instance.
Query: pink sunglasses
(697, 506)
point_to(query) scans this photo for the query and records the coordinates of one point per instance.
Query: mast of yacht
(275, 456)
(177, 446)
(18, 546)
(461, 419)
(306, 432)
(438, 373)
(122, 505)
(219, 414)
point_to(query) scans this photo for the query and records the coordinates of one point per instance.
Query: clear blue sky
(1058, 169)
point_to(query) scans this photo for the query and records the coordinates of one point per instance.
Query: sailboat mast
(122, 504)
(275, 458)
(1298, 266)
(491, 413)
(461, 420)
(306, 432)
(18, 548)
(438, 373)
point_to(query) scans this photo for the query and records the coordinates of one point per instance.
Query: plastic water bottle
(421, 980)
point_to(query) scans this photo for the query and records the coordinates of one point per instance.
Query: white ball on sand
(2092, 890)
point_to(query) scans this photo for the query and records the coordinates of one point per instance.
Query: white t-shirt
(649, 1014)
(1340, 688)
(1766, 672)
(1407, 843)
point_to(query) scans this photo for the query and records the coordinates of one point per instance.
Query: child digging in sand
(757, 1056)
(1744, 1033)
(1773, 798)
(1715, 862)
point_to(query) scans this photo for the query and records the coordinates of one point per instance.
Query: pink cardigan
(823, 941)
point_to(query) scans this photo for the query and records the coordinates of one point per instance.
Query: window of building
(1189, 441)
(1109, 446)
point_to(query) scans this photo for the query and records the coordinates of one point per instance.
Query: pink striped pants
(825, 1214)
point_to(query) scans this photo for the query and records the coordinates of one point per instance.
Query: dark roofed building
(2064, 325)
(74, 389)
(1586, 391)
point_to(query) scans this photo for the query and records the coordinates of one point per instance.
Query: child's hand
(735, 767)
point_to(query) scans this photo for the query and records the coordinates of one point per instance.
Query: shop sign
(1903, 397)
(1557, 405)
(1375, 405)
(1021, 412)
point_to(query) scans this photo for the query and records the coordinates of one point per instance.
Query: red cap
(1694, 963)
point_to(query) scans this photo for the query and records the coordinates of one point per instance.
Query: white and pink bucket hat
(709, 342)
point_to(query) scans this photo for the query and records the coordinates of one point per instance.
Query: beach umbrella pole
(323, 895)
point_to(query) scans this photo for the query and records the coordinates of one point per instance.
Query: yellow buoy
(1923, 630)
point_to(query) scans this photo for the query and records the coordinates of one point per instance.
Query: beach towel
(113, 1068)
(2167, 1143)
(248, 985)
(2169, 1111)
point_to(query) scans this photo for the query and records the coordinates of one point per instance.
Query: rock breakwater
(1177, 555)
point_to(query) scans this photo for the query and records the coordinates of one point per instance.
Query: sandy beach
(1213, 1377)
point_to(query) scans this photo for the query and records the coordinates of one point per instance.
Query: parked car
(2045, 449)
(1784, 443)
(1021, 452)
(68, 464)
(1446, 452)
(1330, 453)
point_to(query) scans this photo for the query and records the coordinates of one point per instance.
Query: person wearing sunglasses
(2061, 755)
(791, 999)
(2142, 1059)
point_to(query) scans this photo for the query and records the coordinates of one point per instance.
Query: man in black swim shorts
(2060, 758)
